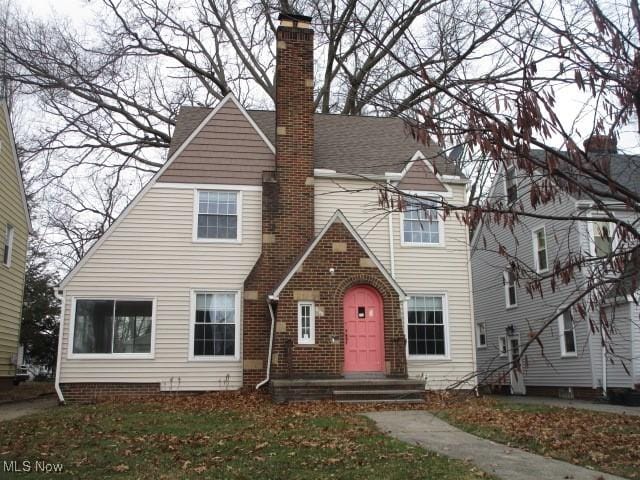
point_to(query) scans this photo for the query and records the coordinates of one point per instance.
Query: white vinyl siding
(419, 270)
(151, 253)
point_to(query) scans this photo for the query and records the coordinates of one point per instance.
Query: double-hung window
(511, 184)
(426, 328)
(502, 346)
(306, 323)
(112, 327)
(567, 331)
(421, 224)
(540, 256)
(215, 326)
(8, 246)
(217, 216)
(510, 294)
(602, 238)
(481, 330)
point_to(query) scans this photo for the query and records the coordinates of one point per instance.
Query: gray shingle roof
(344, 143)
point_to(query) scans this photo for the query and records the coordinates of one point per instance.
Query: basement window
(306, 323)
(112, 327)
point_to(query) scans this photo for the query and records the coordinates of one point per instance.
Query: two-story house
(570, 359)
(260, 254)
(15, 226)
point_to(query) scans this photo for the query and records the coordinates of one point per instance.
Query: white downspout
(60, 332)
(604, 369)
(273, 324)
(392, 255)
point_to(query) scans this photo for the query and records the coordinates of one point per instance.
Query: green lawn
(217, 436)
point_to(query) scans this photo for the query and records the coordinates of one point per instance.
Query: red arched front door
(363, 330)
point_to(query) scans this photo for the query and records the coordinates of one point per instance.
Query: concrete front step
(363, 395)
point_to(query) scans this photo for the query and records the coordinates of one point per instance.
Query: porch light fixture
(511, 330)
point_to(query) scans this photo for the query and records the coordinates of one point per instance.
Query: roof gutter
(60, 296)
(270, 301)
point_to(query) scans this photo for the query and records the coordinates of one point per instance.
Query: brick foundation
(93, 392)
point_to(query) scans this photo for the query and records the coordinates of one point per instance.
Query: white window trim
(505, 276)
(481, 345)
(196, 206)
(111, 356)
(534, 234)
(445, 318)
(9, 235)
(615, 238)
(192, 325)
(440, 244)
(503, 339)
(515, 179)
(563, 352)
(312, 326)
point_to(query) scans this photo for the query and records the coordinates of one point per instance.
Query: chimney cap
(294, 16)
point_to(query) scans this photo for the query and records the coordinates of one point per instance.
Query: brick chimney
(601, 144)
(294, 132)
(287, 193)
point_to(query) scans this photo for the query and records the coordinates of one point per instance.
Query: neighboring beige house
(253, 251)
(15, 226)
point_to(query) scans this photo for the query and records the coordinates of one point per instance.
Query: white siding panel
(152, 254)
(418, 269)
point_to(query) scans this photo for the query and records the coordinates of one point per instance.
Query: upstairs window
(602, 238)
(567, 331)
(540, 258)
(426, 326)
(8, 246)
(217, 217)
(482, 334)
(421, 223)
(306, 323)
(112, 327)
(511, 184)
(511, 299)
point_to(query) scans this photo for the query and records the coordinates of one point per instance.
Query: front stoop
(348, 390)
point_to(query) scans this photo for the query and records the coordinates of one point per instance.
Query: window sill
(540, 272)
(502, 355)
(481, 347)
(439, 358)
(569, 355)
(422, 245)
(306, 344)
(234, 241)
(213, 358)
(111, 356)
(511, 307)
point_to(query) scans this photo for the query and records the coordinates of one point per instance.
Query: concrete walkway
(431, 433)
(558, 402)
(9, 411)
